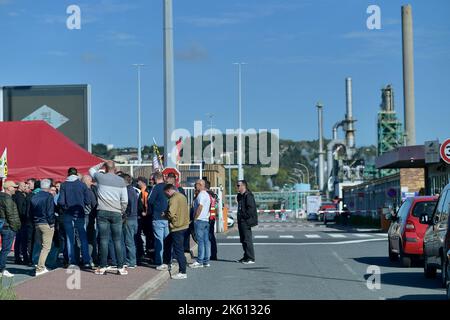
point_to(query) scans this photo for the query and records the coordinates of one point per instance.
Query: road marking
(287, 237)
(232, 237)
(338, 257)
(312, 236)
(305, 243)
(362, 235)
(261, 237)
(337, 235)
(382, 234)
(350, 269)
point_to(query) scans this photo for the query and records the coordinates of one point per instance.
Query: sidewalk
(64, 284)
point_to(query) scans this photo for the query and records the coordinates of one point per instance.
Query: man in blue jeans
(202, 205)
(73, 197)
(130, 224)
(157, 205)
(10, 220)
(112, 204)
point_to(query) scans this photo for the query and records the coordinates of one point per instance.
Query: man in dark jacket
(91, 219)
(11, 224)
(157, 204)
(23, 207)
(73, 198)
(130, 224)
(42, 209)
(247, 218)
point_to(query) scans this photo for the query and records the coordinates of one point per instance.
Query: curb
(145, 291)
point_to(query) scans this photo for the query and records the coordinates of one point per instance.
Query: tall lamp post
(307, 170)
(139, 66)
(240, 169)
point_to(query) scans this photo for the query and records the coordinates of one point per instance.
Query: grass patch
(7, 289)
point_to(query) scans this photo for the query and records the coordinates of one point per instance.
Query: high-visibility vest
(212, 208)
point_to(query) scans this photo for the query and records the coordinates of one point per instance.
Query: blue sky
(298, 52)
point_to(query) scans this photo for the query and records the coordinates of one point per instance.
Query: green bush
(7, 292)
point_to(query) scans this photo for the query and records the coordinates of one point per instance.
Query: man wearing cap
(11, 224)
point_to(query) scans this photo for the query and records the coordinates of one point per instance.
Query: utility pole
(240, 169)
(139, 66)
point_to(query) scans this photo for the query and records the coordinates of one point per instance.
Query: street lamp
(240, 169)
(307, 170)
(210, 116)
(228, 155)
(139, 66)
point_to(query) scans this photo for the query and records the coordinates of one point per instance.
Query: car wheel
(443, 273)
(392, 255)
(405, 260)
(429, 271)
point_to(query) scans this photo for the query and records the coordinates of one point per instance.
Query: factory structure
(402, 167)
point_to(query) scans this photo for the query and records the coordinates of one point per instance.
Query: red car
(406, 233)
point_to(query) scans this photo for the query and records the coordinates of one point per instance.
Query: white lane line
(350, 269)
(338, 257)
(337, 235)
(305, 243)
(382, 234)
(362, 235)
(287, 237)
(261, 237)
(312, 236)
(232, 237)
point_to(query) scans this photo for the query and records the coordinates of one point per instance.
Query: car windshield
(424, 207)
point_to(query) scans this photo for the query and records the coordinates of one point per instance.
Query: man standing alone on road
(247, 218)
(112, 204)
(178, 215)
(201, 225)
(11, 224)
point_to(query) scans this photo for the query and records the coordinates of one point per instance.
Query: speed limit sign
(445, 151)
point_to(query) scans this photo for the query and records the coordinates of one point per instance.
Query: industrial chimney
(408, 75)
(349, 128)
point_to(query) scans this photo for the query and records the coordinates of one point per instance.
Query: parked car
(312, 216)
(406, 233)
(325, 206)
(435, 244)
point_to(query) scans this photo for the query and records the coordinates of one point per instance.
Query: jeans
(70, 224)
(44, 239)
(245, 234)
(129, 232)
(62, 238)
(178, 248)
(110, 225)
(212, 239)
(187, 240)
(92, 235)
(204, 245)
(7, 242)
(161, 231)
(30, 241)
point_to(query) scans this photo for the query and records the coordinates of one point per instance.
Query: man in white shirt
(202, 205)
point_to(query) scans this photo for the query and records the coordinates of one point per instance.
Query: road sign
(445, 151)
(432, 152)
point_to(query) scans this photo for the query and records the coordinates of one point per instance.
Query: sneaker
(87, 266)
(248, 261)
(41, 272)
(100, 271)
(206, 265)
(72, 266)
(179, 276)
(130, 267)
(111, 268)
(195, 265)
(7, 274)
(162, 267)
(123, 271)
(241, 260)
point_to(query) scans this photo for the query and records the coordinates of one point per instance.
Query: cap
(171, 175)
(9, 183)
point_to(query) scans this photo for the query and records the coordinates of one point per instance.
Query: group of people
(100, 221)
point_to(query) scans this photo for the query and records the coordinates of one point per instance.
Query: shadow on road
(377, 261)
(408, 279)
(262, 269)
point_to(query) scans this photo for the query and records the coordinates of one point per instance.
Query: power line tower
(390, 133)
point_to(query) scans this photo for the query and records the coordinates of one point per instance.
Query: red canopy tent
(37, 150)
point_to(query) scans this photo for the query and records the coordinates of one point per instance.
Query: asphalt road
(304, 261)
